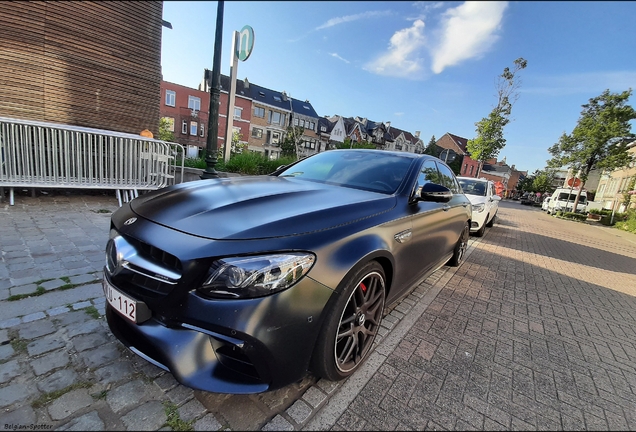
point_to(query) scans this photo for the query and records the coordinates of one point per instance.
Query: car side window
(448, 179)
(428, 174)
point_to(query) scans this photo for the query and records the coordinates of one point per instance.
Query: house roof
(328, 124)
(459, 141)
(270, 97)
(303, 108)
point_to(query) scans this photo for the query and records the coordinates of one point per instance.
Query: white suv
(485, 202)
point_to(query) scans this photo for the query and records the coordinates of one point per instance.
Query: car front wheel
(460, 248)
(352, 324)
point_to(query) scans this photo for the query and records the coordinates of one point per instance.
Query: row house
(336, 129)
(261, 117)
(469, 167)
(615, 186)
(186, 111)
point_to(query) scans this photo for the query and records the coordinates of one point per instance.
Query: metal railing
(48, 155)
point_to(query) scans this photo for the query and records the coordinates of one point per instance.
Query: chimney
(417, 134)
(247, 83)
(388, 125)
(284, 96)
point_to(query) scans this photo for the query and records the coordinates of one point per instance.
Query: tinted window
(474, 186)
(448, 178)
(428, 174)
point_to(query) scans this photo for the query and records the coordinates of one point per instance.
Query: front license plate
(129, 308)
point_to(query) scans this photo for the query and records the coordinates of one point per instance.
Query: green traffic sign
(246, 43)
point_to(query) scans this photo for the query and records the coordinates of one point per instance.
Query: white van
(562, 199)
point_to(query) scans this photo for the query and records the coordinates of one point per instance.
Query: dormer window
(306, 107)
(262, 94)
(277, 99)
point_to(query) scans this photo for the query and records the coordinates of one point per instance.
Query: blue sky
(423, 66)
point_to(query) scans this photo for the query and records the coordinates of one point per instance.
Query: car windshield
(372, 170)
(473, 187)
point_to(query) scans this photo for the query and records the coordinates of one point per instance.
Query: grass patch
(48, 397)
(67, 286)
(101, 211)
(41, 281)
(174, 421)
(38, 292)
(66, 279)
(101, 395)
(19, 345)
(93, 312)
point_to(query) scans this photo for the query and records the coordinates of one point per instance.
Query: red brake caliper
(364, 287)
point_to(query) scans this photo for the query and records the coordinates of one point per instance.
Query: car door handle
(446, 208)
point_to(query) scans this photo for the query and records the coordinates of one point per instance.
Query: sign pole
(229, 131)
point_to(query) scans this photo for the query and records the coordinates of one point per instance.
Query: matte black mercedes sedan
(243, 284)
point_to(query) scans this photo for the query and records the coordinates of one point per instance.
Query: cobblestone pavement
(535, 331)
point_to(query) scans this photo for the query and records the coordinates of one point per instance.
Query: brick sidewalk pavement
(535, 331)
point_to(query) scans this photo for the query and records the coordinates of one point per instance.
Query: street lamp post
(211, 147)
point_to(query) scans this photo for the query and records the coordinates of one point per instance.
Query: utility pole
(215, 96)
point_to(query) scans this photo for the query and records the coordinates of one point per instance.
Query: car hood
(240, 208)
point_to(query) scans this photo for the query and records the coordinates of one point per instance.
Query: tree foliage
(542, 180)
(490, 137)
(165, 134)
(350, 144)
(599, 139)
(431, 148)
(293, 138)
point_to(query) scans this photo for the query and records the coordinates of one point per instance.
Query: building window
(194, 103)
(277, 98)
(301, 123)
(171, 96)
(202, 130)
(273, 137)
(194, 127)
(170, 122)
(471, 170)
(259, 112)
(237, 112)
(323, 128)
(274, 117)
(312, 126)
(295, 122)
(257, 133)
(184, 127)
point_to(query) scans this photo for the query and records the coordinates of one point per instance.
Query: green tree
(165, 134)
(293, 138)
(542, 180)
(526, 184)
(431, 147)
(237, 146)
(490, 138)
(599, 139)
(350, 144)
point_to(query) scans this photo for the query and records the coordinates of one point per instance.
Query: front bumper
(244, 347)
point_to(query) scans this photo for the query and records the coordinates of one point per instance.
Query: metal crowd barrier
(48, 155)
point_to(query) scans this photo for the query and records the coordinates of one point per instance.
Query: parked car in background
(243, 284)
(484, 201)
(562, 199)
(545, 203)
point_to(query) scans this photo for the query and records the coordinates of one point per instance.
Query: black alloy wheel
(352, 324)
(460, 248)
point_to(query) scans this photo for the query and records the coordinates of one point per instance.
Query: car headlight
(255, 276)
(479, 207)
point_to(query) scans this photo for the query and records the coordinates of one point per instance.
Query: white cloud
(349, 18)
(468, 31)
(338, 57)
(402, 58)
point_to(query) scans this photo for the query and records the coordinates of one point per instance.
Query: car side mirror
(435, 193)
(496, 197)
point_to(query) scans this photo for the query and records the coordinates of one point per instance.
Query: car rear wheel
(351, 324)
(460, 248)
